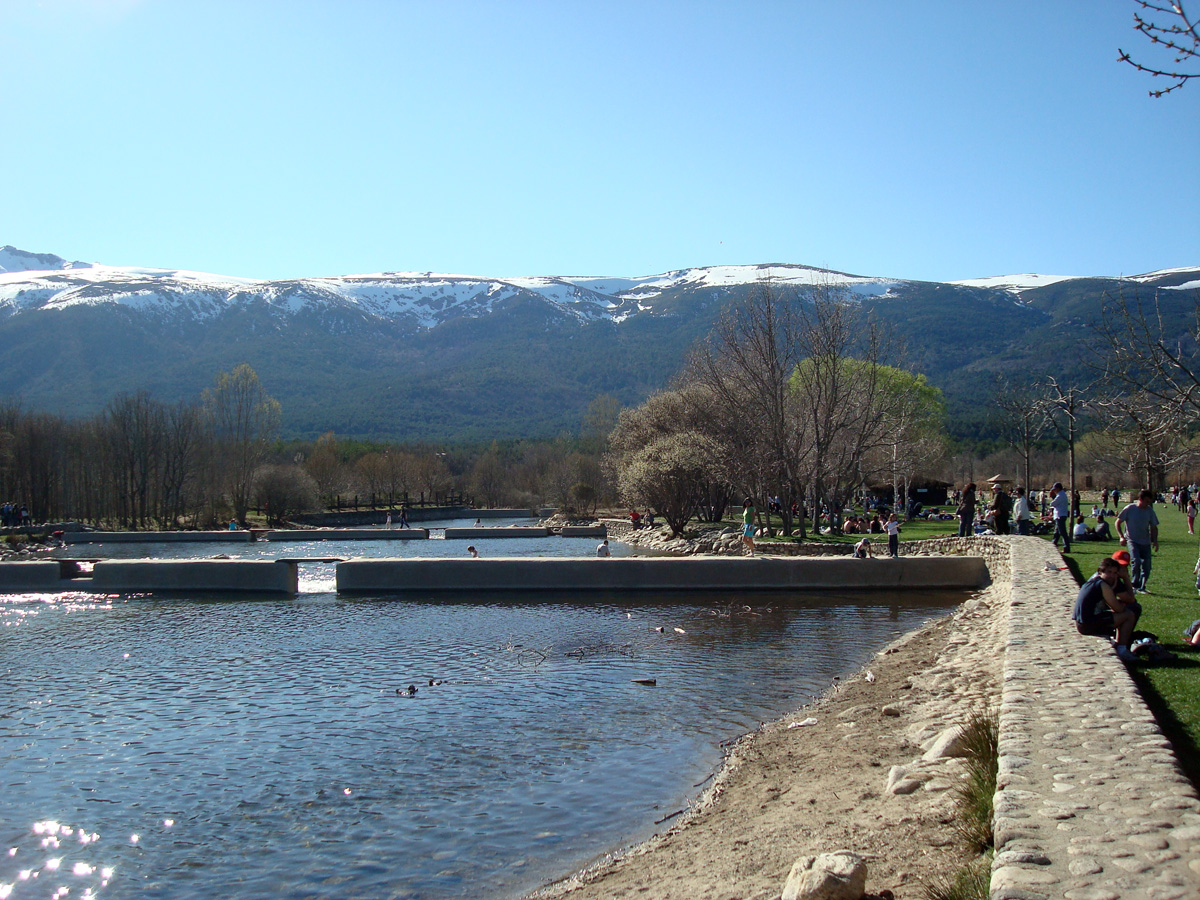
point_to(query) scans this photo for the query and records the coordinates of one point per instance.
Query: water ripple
(271, 748)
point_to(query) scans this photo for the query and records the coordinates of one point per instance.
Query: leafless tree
(245, 420)
(1146, 435)
(1171, 30)
(1066, 404)
(1021, 420)
(747, 364)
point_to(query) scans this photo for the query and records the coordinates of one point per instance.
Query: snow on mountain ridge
(14, 260)
(423, 299)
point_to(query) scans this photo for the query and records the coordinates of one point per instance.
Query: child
(893, 533)
(862, 550)
(1191, 514)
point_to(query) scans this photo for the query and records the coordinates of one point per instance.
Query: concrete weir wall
(149, 537)
(122, 576)
(1090, 803)
(348, 534)
(657, 573)
(516, 531)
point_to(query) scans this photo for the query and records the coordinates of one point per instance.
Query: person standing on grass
(748, 525)
(1137, 526)
(1001, 509)
(966, 511)
(1060, 507)
(1021, 512)
(1191, 514)
(893, 533)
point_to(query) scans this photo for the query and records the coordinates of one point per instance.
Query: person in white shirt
(1021, 512)
(603, 550)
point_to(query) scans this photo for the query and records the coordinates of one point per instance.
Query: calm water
(190, 749)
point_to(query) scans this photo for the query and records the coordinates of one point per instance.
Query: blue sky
(937, 140)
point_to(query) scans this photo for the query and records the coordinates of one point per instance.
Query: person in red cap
(1100, 611)
(1124, 584)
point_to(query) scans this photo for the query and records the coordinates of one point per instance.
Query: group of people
(862, 550)
(638, 520)
(14, 516)
(403, 519)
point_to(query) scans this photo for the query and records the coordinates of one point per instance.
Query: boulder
(841, 875)
(949, 743)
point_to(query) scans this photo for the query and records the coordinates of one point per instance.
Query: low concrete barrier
(49, 575)
(660, 573)
(348, 534)
(123, 576)
(584, 531)
(516, 531)
(151, 537)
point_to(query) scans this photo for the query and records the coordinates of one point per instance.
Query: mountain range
(429, 356)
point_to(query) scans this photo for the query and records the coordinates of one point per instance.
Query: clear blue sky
(280, 138)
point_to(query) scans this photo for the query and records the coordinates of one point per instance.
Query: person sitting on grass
(1099, 611)
(1102, 532)
(1081, 532)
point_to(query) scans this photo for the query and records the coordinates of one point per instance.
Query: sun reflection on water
(71, 870)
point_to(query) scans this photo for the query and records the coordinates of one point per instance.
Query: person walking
(1137, 528)
(748, 525)
(1060, 508)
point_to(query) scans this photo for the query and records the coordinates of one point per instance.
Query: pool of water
(191, 749)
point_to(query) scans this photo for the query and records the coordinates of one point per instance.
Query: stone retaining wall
(1090, 803)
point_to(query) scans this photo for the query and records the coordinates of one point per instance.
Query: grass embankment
(1172, 689)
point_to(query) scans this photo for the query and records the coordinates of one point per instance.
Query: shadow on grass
(1073, 567)
(1173, 729)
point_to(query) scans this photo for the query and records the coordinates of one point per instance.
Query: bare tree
(1022, 421)
(1169, 29)
(1066, 405)
(1146, 435)
(747, 364)
(1148, 355)
(245, 419)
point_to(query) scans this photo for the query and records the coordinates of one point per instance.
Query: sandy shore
(790, 790)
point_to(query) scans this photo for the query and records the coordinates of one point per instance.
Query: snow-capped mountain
(422, 299)
(426, 355)
(14, 260)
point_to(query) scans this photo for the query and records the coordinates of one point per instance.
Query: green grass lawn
(1172, 689)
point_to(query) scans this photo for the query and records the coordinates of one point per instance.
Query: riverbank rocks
(841, 875)
(950, 742)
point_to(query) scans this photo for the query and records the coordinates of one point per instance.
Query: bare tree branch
(1179, 37)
